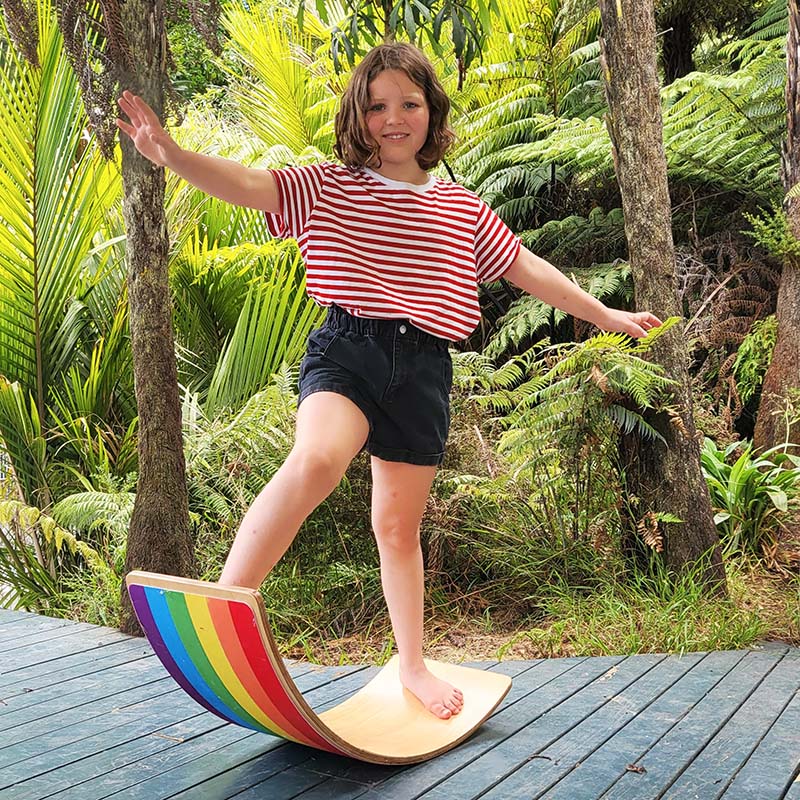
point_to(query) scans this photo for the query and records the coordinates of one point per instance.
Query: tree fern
(604, 381)
(529, 317)
(580, 242)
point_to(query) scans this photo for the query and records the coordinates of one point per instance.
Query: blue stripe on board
(172, 646)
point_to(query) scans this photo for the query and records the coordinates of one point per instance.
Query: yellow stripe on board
(201, 619)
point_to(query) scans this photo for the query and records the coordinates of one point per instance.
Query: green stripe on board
(185, 627)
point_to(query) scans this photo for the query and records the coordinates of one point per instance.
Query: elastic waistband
(339, 320)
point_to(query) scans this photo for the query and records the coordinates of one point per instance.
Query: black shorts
(398, 375)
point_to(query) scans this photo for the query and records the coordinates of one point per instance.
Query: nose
(395, 115)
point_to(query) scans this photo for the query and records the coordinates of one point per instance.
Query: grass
(642, 616)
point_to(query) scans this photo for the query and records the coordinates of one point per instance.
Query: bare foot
(439, 697)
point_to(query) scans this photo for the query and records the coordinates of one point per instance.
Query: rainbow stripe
(214, 649)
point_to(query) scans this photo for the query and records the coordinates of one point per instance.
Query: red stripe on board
(247, 634)
(232, 647)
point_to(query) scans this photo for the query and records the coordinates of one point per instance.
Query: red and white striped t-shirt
(385, 249)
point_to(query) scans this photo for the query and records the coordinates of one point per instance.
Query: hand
(149, 138)
(634, 323)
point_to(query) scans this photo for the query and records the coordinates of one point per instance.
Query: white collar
(414, 187)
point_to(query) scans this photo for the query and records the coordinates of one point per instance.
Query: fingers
(637, 331)
(648, 320)
(139, 113)
(129, 129)
(126, 103)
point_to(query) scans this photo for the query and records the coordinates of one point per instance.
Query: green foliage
(646, 613)
(240, 313)
(449, 26)
(287, 101)
(583, 241)
(34, 549)
(722, 132)
(550, 503)
(62, 331)
(771, 231)
(752, 360)
(529, 318)
(751, 495)
(591, 384)
(195, 70)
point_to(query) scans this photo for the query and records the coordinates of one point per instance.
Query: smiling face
(397, 118)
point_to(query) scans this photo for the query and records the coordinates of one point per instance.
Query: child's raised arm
(220, 177)
(541, 279)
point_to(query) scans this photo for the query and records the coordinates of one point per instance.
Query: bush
(751, 495)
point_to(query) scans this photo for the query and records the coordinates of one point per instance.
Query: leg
(331, 430)
(399, 494)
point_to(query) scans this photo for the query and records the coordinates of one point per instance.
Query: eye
(411, 104)
(375, 107)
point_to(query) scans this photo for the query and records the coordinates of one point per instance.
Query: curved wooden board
(217, 644)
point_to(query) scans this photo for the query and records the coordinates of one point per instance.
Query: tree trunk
(783, 376)
(660, 478)
(159, 539)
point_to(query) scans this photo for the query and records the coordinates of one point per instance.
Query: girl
(396, 255)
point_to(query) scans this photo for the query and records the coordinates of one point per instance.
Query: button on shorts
(399, 376)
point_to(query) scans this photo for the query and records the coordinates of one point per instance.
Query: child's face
(397, 117)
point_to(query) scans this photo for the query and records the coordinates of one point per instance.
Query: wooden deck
(88, 713)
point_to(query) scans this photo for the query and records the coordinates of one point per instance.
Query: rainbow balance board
(216, 643)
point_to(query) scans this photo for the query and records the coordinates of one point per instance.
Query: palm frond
(276, 94)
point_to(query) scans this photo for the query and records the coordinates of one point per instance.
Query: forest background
(528, 535)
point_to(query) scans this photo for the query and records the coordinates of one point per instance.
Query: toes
(454, 703)
(441, 711)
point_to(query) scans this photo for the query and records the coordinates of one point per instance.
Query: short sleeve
(496, 247)
(299, 189)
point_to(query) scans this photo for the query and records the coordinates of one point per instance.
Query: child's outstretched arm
(220, 177)
(541, 279)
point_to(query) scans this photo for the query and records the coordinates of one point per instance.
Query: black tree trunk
(159, 539)
(677, 53)
(659, 478)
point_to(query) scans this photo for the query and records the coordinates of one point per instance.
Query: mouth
(395, 137)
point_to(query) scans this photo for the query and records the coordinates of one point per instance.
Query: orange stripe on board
(232, 645)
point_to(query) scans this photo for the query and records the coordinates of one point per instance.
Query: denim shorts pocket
(366, 358)
(319, 341)
(447, 370)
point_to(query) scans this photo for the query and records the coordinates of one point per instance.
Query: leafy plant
(241, 312)
(59, 345)
(33, 551)
(750, 495)
(529, 317)
(754, 356)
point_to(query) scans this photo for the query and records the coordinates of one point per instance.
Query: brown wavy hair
(353, 144)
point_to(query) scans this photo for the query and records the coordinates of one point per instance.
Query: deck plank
(794, 790)
(533, 695)
(595, 774)
(87, 713)
(482, 775)
(151, 751)
(669, 757)
(769, 771)
(544, 767)
(709, 774)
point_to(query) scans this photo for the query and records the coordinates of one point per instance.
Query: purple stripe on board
(142, 609)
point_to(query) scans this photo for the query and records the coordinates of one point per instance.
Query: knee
(395, 539)
(317, 468)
